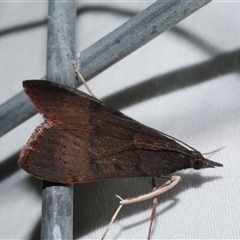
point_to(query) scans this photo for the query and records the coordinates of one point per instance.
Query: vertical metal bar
(57, 199)
(61, 47)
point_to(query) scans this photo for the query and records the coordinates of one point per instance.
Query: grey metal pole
(57, 199)
(139, 30)
(135, 33)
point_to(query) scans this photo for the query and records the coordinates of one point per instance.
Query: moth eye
(197, 164)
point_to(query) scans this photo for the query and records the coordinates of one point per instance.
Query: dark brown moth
(84, 140)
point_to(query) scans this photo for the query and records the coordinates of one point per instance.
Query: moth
(84, 140)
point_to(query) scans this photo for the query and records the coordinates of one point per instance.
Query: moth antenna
(85, 83)
(112, 220)
(141, 145)
(178, 141)
(214, 151)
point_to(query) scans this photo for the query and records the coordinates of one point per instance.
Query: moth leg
(112, 219)
(85, 83)
(155, 203)
(172, 182)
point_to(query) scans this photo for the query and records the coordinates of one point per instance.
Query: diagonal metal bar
(133, 34)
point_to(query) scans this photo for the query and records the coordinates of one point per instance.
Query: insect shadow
(94, 203)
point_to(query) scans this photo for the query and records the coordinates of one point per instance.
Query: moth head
(200, 162)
